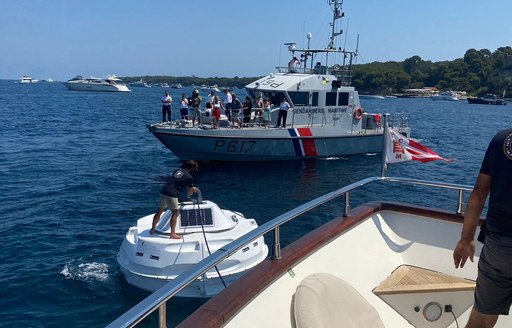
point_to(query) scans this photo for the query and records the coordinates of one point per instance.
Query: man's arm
(191, 190)
(466, 246)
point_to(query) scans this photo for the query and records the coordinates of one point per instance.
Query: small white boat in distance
(445, 96)
(108, 84)
(140, 83)
(28, 79)
(371, 97)
(150, 261)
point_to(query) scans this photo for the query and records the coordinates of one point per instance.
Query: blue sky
(59, 39)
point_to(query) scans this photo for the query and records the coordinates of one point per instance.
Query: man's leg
(156, 218)
(480, 320)
(174, 219)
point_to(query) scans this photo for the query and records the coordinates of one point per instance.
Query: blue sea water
(77, 169)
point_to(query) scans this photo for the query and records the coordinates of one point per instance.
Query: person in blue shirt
(176, 183)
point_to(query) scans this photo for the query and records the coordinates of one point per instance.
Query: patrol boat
(326, 118)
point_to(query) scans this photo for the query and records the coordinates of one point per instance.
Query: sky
(60, 39)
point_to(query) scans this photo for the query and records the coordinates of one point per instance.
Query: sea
(77, 169)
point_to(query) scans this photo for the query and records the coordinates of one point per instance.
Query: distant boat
(140, 84)
(49, 80)
(108, 84)
(176, 86)
(28, 79)
(371, 97)
(488, 99)
(445, 96)
(164, 85)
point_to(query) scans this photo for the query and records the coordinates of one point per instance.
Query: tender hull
(266, 145)
(150, 261)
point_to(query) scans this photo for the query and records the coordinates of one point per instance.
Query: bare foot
(175, 236)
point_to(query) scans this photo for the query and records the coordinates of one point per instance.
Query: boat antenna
(357, 47)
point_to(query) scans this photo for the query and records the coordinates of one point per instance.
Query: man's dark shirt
(179, 180)
(497, 164)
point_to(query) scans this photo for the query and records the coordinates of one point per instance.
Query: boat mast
(337, 13)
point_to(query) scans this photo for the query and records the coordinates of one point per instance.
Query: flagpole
(384, 142)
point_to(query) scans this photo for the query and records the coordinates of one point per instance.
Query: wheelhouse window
(343, 99)
(299, 98)
(315, 99)
(274, 96)
(330, 99)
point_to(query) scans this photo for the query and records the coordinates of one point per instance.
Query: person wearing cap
(176, 183)
(194, 104)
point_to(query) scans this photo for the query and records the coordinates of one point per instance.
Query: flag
(401, 149)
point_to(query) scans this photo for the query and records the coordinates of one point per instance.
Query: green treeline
(478, 72)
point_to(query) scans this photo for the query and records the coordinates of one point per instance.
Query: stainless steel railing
(158, 299)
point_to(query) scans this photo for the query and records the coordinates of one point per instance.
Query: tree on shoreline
(478, 72)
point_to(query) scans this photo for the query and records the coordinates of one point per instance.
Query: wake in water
(334, 158)
(80, 271)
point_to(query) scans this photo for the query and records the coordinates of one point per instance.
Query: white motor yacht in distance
(445, 96)
(140, 83)
(28, 79)
(326, 118)
(108, 84)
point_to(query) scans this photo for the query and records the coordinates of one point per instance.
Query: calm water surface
(78, 168)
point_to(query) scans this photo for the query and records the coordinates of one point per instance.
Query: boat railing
(158, 300)
(302, 70)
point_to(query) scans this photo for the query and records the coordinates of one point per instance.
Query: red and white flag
(401, 149)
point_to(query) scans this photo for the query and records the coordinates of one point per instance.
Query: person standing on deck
(247, 111)
(184, 107)
(227, 102)
(195, 103)
(493, 292)
(283, 112)
(236, 108)
(166, 106)
(179, 180)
